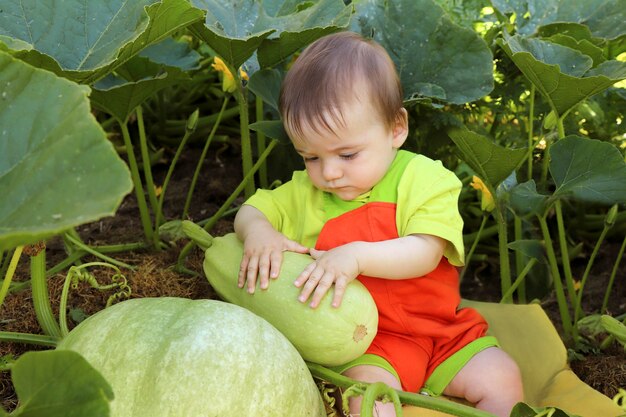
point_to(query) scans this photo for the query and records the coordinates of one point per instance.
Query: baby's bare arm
(263, 248)
(400, 258)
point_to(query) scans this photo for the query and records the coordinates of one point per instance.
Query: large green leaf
(588, 170)
(562, 75)
(492, 163)
(266, 84)
(435, 57)
(142, 78)
(57, 169)
(605, 18)
(84, 40)
(173, 54)
(235, 29)
(59, 383)
(525, 200)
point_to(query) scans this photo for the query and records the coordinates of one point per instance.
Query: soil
(155, 275)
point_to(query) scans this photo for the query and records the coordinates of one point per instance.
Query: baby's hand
(337, 266)
(263, 256)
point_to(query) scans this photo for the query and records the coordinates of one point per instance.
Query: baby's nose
(331, 171)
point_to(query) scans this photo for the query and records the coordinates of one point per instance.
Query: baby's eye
(348, 155)
(309, 158)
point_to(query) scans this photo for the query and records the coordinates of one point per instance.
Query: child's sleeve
(428, 196)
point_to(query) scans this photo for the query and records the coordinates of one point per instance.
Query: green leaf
(173, 54)
(531, 248)
(561, 74)
(272, 129)
(143, 78)
(53, 155)
(588, 170)
(59, 383)
(605, 18)
(434, 56)
(525, 200)
(104, 34)
(525, 410)
(491, 162)
(266, 84)
(235, 29)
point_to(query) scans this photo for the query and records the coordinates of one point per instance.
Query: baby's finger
(322, 288)
(243, 269)
(264, 271)
(293, 246)
(252, 272)
(310, 284)
(276, 260)
(305, 274)
(340, 288)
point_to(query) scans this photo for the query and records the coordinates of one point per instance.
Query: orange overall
(420, 324)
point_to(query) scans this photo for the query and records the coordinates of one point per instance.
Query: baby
(366, 210)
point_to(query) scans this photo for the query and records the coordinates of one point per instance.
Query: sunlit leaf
(235, 29)
(492, 163)
(59, 383)
(434, 56)
(57, 168)
(84, 40)
(588, 170)
(562, 75)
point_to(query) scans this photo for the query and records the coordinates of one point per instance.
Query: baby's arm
(263, 248)
(400, 258)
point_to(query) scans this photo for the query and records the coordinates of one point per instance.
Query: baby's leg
(491, 380)
(371, 373)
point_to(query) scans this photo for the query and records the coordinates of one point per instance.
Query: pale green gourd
(326, 335)
(174, 357)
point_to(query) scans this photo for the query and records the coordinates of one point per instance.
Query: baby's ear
(400, 128)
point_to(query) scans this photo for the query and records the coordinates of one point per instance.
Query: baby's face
(351, 160)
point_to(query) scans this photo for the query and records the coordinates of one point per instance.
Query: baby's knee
(503, 374)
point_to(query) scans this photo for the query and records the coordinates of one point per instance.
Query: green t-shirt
(425, 193)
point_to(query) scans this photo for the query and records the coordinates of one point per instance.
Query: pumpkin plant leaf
(53, 154)
(614, 327)
(237, 29)
(272, 129)
(59, 383)
(266, 84)
(530, 248)
(142, 78)
(525, 410)
(104, 34)
(525, 200)
(435, 56)
(562, 75)
(605, 18)
(492, 163)
(588, 170)
(173, 54)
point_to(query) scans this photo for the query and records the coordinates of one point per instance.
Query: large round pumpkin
(175, 357)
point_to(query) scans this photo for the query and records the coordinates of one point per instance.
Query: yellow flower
(228, 81)
(486, 201)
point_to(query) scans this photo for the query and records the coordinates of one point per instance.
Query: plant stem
(578, 312)
(565, 261)
(97, 254)
(473, 247)
(519, 280)
(418, 400)
(41, 297)
(205, 150)
(33, 339)
(520, 260)
(505, 269)
(170, 171)
(246, 147)
(209, 225)
(556, 276)
(134, 171)
(560, 127)
(147, 168)
(531, 120)
(607, 293)
(10, 272)
(260, 138)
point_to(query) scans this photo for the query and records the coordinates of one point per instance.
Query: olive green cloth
(526, 333)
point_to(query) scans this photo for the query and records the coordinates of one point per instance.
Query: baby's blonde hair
(326, 76)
